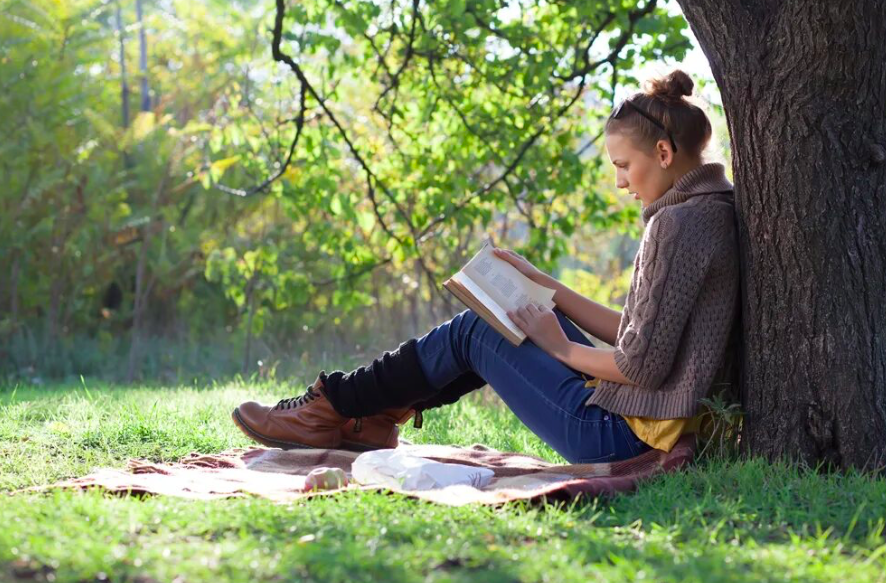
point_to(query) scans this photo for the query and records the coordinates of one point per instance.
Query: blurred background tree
(197, 189)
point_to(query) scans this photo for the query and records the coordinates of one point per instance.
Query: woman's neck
(683, 166)
(703, 179)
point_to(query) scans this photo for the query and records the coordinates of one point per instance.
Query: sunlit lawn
(717, 521)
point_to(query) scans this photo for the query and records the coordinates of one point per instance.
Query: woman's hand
(541, 325)
(521, 263)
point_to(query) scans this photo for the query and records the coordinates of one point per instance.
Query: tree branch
(299, 125)
(623, 39)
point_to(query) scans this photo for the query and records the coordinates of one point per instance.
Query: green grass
(717, 521)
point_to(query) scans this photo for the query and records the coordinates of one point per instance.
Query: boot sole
(250, 433)
(360, 447)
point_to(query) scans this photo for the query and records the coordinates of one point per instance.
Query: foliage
(724, 420)
(610, 291)
(296, 158)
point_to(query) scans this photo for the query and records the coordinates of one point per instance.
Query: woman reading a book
(590, 404)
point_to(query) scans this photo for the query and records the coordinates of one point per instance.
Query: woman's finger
(503, 254)
(516, 319)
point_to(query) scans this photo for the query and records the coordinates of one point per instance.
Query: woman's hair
(664, 98)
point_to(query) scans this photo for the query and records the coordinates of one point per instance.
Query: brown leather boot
(307, 421)
(378, 431)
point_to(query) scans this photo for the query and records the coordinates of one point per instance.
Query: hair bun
(672, 87)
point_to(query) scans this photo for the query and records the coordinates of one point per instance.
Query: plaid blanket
(280, 475)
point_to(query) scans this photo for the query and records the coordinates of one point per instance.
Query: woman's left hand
(541, 325)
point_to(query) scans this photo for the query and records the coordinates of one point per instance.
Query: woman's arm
(597, 319)
(542, 326)
(598, 362)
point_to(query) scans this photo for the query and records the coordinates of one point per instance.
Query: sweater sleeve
(670, 278)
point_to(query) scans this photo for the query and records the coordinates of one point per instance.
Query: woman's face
(637, 170)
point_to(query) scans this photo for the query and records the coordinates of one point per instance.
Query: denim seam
(435, 355)
(627, 434)
(543, 396)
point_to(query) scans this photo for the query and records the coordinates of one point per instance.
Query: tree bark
(138, 305)
(415, 306)
(804, 90)
(143, 58)
(143, 283)
(250, 307)
(124, 85)
(13, 290)
(58, 242)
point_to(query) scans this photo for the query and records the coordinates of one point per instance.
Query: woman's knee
(571, 330)
(466, 320)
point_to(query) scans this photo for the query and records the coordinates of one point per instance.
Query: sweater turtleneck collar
(704, 179)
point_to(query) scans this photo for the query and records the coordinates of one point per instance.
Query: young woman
(589, 404)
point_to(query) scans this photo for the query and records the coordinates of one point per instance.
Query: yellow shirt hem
(659, 433)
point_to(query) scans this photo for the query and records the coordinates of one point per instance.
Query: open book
(491, 286)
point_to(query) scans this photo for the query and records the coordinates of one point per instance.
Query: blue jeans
(545, 394)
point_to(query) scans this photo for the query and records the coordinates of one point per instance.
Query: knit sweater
(682, 301)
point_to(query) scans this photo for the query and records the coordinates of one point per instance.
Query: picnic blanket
(279, 475)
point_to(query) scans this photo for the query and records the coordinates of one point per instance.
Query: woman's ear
(664, 153)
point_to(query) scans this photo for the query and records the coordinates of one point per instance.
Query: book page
(503, 283)
(490, 304)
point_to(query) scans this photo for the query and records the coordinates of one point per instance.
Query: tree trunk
(143, 283)
(56, 288)
(250, 306)
(804, 90)
(13, 290)
(143, 58)
(138, 306)
(415, 306)
(124, 85)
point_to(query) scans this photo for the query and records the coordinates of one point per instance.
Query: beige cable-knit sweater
(683, 298)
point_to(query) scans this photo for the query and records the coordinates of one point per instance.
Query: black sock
(452, 392)
(393, 380)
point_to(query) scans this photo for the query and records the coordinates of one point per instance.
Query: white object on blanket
(326, 479)
(399, 470)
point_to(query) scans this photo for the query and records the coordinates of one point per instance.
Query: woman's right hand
(521, 263)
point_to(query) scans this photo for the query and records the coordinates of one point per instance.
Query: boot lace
(296, 402)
